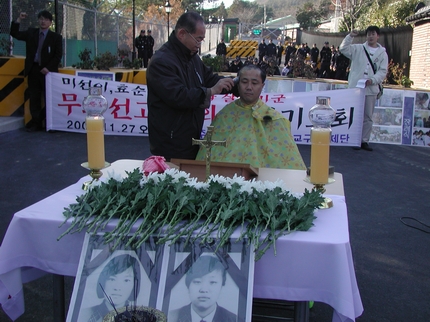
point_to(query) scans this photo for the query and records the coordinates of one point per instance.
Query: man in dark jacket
(149, 47)
(289, 50)
(180, 87)
(302, 51)
(307, 49)
(325, 55)
(221, 48)
(262, 49)
(341, 66)
(43, 52)
(271, 49)
(315, 52)
(140, 43)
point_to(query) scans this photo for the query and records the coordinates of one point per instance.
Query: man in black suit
(141, 43)
(221, 48)
(149, 48)
(325, 55)
(262, 48)
(44, 49)
(204, 281)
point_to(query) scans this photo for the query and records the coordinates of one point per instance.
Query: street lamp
(168, 8)
(218, 33)
(210, 18)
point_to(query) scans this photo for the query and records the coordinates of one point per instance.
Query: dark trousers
(149, 56)
(325, 70)
(145, 59)
(141, 55)
(35, 92)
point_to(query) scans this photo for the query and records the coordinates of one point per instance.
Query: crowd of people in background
(278, 59)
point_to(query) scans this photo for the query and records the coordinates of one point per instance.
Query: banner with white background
(128, 110)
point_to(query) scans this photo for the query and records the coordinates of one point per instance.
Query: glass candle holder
(95, 104)
(321, 116)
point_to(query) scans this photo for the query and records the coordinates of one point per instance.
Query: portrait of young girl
(109, 277)
(118, 284)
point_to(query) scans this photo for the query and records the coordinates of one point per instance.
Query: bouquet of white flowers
(173, 205)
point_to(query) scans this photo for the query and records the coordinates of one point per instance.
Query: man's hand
(22, 16)
(354, 33)
(44, 71)
(224, 83)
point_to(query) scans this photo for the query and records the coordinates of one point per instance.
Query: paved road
(392, 261)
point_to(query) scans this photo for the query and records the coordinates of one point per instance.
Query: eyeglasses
(197, 42)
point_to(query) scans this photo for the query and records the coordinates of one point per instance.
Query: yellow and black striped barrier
(12, 85)
(139, 76)
(242, 48)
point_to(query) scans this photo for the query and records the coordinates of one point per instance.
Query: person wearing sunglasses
(180, 88)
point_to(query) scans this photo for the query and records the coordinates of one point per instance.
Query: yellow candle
(95, 142)
(320, 151)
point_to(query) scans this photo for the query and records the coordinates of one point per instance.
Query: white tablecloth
(309, 266)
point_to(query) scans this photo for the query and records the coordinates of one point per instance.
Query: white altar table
(315, 265)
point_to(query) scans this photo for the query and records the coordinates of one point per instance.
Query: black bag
(381, 88)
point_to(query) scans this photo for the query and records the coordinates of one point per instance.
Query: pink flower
(154, 164)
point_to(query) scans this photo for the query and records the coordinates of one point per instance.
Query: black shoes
(34, 128)
(364, 146)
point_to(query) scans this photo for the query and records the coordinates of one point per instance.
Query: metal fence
(84, 28)
(80, 27)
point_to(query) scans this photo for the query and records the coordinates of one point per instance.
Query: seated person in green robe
(255, 133)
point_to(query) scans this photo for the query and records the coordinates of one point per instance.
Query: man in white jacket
(361, 68)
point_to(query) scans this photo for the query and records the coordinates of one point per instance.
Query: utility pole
(264, 20)
(133, 54)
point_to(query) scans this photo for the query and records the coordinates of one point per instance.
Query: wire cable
(402, 219)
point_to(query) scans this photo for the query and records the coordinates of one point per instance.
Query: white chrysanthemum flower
(176, 174)
(247, 186)
(111, 174)
(259, 186)
(156, 177)
(199, 185)
(216, 178)
(277, 184)
(297, 194)
(238, 179)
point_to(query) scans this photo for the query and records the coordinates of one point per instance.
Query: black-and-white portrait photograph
(109, 279)
(205, 284)
(422, 101)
